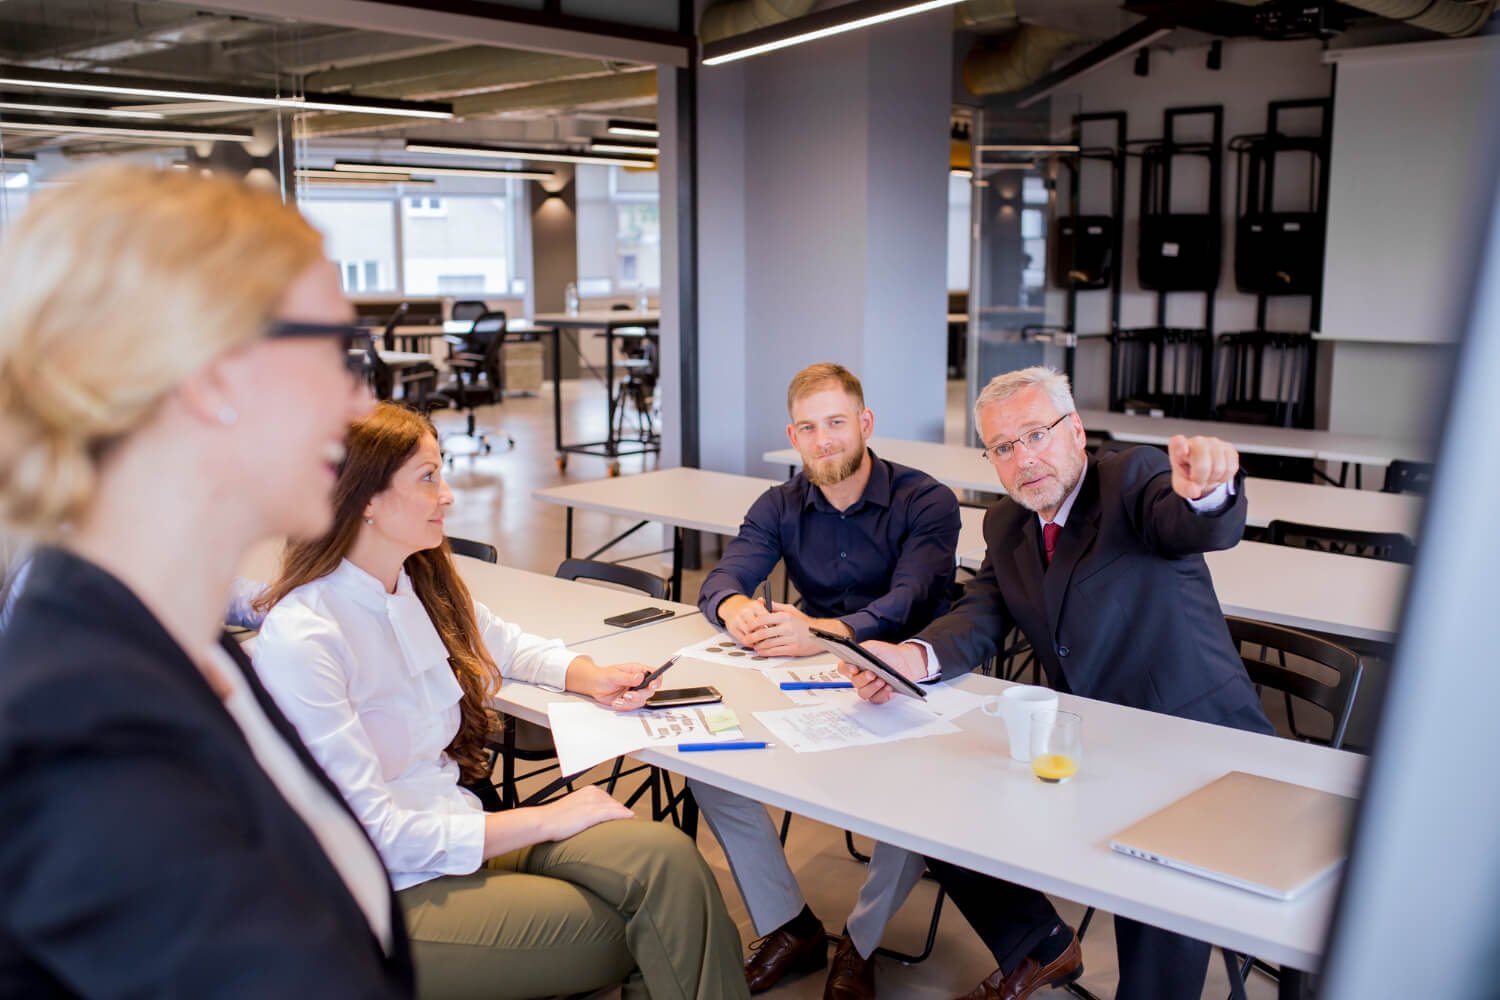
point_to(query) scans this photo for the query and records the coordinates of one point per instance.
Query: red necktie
(1050, 531)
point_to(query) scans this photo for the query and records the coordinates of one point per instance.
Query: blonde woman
(173, 388)
(377, 652)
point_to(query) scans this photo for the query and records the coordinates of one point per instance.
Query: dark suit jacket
(144, 852)
(1126, 612)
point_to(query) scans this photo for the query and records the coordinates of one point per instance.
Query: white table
(572, 611)
(960, 798)
(1299, 588)
(962, 468)
(693, 500)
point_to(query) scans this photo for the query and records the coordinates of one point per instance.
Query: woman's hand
(611, 685)
(577, 811)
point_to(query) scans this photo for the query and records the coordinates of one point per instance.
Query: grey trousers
(753, 847)
(627, 901)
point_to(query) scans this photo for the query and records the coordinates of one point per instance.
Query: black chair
(625, 576)
(467, 310)
(478, 377)
(639, 358)
(1391, 546)
(1408, 477)
(474, 550)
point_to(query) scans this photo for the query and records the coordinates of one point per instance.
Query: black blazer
(144, 852)
(1126, 612)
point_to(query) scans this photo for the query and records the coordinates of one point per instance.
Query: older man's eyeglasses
(357, 341)
(1034, 441)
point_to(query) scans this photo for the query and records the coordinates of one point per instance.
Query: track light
(644, 130)
(427, 170)
(833, 21)
(451, 149)
(629, 148)
(124, 131)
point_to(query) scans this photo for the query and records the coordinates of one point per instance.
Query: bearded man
(870, 546)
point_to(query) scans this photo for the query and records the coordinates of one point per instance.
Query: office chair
(1408, 477)
(474, 550)
(477, 367)
(625, 576)
(467, 310)
(1391, 546)
(639, 359)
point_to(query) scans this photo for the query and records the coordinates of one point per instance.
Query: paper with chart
(723, 650)
(587, 734)
(842, 724)
(816, 673)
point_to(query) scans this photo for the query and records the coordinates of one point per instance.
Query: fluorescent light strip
(132, 131)
(824, 32)
(421, 170)
(67, 109)
(529, 154)
(321, 102)
(351, 177)
(606, 146)
(646, 130)
(960, 173)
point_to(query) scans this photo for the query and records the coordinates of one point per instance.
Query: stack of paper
(587, 734)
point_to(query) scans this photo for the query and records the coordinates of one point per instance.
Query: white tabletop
(1292, 442)
(960, 798)
(600, 317)
(962, 468)
(1299, 588)
(697, 499)
(542, 605)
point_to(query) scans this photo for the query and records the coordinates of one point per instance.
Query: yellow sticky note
(720, 718)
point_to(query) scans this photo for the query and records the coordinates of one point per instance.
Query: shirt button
(1062, 650)
(843, 555)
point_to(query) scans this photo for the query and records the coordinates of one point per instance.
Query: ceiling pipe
(735, 17)
(1453, 18)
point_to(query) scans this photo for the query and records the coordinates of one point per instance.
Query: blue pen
(814, 685)
(732, 745)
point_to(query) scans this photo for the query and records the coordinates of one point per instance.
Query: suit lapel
(1028, 560)
(1072, 545)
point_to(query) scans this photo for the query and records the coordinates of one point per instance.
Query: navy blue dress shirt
(884, 567)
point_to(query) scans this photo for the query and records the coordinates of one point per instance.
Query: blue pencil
(814, 685)
(731, 745)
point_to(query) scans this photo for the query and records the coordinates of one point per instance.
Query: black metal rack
(1088, 249)
(1163, 369)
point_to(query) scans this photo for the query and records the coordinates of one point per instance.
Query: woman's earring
(228, 416)
(369, 520)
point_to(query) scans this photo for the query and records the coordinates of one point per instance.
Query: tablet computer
(852, 652)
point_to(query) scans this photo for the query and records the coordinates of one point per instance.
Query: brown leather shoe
(778, 953)
(1031, 976)
(851, 977)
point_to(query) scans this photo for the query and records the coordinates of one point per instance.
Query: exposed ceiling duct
(1014, 61)
(735, 17)
(472, 68)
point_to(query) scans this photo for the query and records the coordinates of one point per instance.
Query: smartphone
(639, 616)
(677, 697)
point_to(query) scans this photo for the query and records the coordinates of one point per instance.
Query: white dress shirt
(364, 676)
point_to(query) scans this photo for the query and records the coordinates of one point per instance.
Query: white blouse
(364, 677)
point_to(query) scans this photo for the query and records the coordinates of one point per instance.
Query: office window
(457, 244)
(360, 236)
(619, 230)
(959, 198)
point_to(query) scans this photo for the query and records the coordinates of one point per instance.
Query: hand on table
(610, 684)
(1200, 464)
(782, 631)
(908, 658)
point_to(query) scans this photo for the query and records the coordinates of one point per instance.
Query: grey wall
(823, 179)
(554, 257)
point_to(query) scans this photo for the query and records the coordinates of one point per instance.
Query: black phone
(639, 616)
(677, 697)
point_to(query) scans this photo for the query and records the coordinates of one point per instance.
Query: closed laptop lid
(1256, 833)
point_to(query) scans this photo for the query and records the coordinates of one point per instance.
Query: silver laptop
(1259, 834)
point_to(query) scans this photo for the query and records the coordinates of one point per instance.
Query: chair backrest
(474, 550)
(1335, 698)
(382, 379)
(467, 310)
(388, 336)
(1391, 546)
(1094, 439)
(625, 576)
(1408, 477)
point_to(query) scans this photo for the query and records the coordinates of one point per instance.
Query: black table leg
(568, 534)
(557, 437)
(677, 564)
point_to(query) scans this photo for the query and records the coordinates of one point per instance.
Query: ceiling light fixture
(448, 149)
(424, 170)
(961, 172)
(324, 175)
(127, 131)
(646, 130)
(109, 83)
(80, 110)
(833, 21)
(629, 148)
(1041, 147)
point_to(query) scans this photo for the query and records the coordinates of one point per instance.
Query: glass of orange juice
(1056, 746)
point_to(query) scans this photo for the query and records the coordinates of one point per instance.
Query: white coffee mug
(1022, 706)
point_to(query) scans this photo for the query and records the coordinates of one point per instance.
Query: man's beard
(825, 472)
(1037, 503)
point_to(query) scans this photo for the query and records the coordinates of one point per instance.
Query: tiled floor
(494, 503)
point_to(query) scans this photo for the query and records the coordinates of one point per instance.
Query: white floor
(493, 503)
